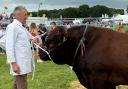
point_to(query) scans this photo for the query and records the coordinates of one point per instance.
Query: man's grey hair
(18, 9)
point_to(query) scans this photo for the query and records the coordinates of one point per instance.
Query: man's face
(23, 16)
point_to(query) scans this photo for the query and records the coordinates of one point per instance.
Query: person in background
(126, 28)
(2, 34)
(42, 29)
(120, 28)
(52, 25)
(34, 32)
(33, 29)
(11, 17)
(0, 38)
(42, 35)
(18, 48)
(27, 27)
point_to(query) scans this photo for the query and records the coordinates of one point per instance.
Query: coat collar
(17, 22)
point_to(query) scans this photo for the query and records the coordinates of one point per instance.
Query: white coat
(18, 47)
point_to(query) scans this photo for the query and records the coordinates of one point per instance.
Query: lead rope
(33, 61)
(44, 51)
(81, 42)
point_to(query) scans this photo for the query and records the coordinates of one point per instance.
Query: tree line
(83, 11)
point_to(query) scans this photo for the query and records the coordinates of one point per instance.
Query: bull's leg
(96, 84)
(97, 81)
(82, 79)
(110, 86)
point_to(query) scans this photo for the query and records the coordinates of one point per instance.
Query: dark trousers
(20, 82)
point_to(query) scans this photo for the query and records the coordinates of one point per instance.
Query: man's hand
(15, 68)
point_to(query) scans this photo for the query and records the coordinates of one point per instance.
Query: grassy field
(47, 76)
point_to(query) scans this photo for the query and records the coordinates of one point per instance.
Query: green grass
(47, 76)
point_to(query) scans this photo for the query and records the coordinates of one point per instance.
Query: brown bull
(101, 61)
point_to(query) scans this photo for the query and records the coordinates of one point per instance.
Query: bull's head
(55, 37)
(55, 44)
(55, 40)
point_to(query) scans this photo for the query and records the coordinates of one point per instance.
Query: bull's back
(109, 49)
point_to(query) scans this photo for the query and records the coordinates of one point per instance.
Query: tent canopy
(121, 18)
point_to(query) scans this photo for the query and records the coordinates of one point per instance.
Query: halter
(81, 43)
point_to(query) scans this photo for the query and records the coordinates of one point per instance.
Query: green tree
(80, 12)
(34, 14)
(83, 11)
(98, 10)
(70, 12)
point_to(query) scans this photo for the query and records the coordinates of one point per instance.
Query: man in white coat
(18, 48)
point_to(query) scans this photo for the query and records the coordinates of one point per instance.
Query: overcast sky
(32, 5)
